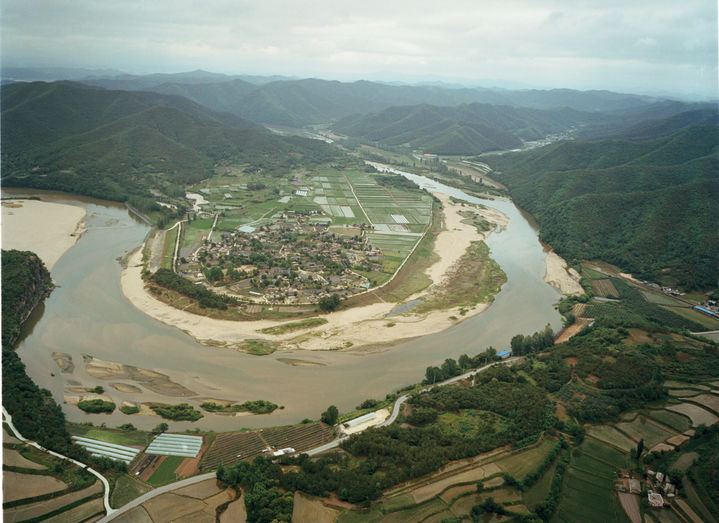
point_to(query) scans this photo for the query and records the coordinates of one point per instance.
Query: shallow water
(88, 314)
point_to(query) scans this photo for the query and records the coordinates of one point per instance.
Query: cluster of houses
(295, 259)
(657, 483)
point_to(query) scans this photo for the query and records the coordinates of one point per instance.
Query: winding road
(113, 513)
(106, 496)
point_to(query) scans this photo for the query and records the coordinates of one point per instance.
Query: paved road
(106, 497)
(158, 491)
(402, 399)
(317, 450)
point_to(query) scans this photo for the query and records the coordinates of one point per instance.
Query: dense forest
(26, 283)
(114, 144)
(649, 207)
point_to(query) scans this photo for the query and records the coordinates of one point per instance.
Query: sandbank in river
(350, 328)
(45, 228)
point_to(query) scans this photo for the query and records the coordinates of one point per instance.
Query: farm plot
(683, 393)
(40, 508)
(662, 299)
(608, 434)
(229, 449)
(605, 288)
(676, 421)
(641, 428)
(20, 486)
(312, 509)
(430, 490)
(298, 437)
(523, 463)
(588, 489)
(165, 473)
(708, 400)
(232, 448)
(697, 414)
(682, 385)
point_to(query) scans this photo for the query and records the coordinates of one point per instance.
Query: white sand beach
(562, 277)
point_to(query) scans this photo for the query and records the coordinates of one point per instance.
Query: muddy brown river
(87, 314)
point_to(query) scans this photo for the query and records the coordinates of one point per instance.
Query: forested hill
(25, 283)
(113, 144)
(649, 207)
(466, 129)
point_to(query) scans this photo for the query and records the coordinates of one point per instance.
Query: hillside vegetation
(113, 144)
(466, 129)
(649, 207)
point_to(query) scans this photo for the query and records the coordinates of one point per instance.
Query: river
(88, 314)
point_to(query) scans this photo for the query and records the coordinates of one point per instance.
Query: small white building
(361, 419)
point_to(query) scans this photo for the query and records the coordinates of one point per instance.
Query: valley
(251, 283)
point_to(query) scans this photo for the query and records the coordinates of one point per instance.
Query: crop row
(232, 448)
(229, 449)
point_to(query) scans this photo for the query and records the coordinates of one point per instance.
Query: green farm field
(641, 428)
(608, 434)
(118, 437)
(588, 489)
(523, 463)
(166, 472)
(671, 419)
(695, 316)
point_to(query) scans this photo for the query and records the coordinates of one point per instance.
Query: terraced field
(674, 420)
(588, 490)
(697, 414)
(641, 428)
(611, 436)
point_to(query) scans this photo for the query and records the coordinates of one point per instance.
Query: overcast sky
(655, 46)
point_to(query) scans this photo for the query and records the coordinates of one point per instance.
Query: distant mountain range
(299, 102)
(110, 144)
(647, 206)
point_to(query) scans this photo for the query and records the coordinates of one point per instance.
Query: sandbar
(356, 327)
(561, 276)
(48, 229)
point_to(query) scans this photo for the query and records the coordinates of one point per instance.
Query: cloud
(521, 40)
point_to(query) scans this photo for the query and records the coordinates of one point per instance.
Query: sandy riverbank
(45, 228)
(561, 276)
(354, 327)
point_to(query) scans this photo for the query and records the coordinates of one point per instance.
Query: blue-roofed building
(504, 354)
(706, 311)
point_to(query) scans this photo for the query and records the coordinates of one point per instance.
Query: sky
(654, 47)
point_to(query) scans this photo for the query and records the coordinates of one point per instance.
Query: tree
(675, 476)
(162, 427)
(640, 448)
(330, 415)
(329, 303)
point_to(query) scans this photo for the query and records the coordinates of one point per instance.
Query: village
(295, 259)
